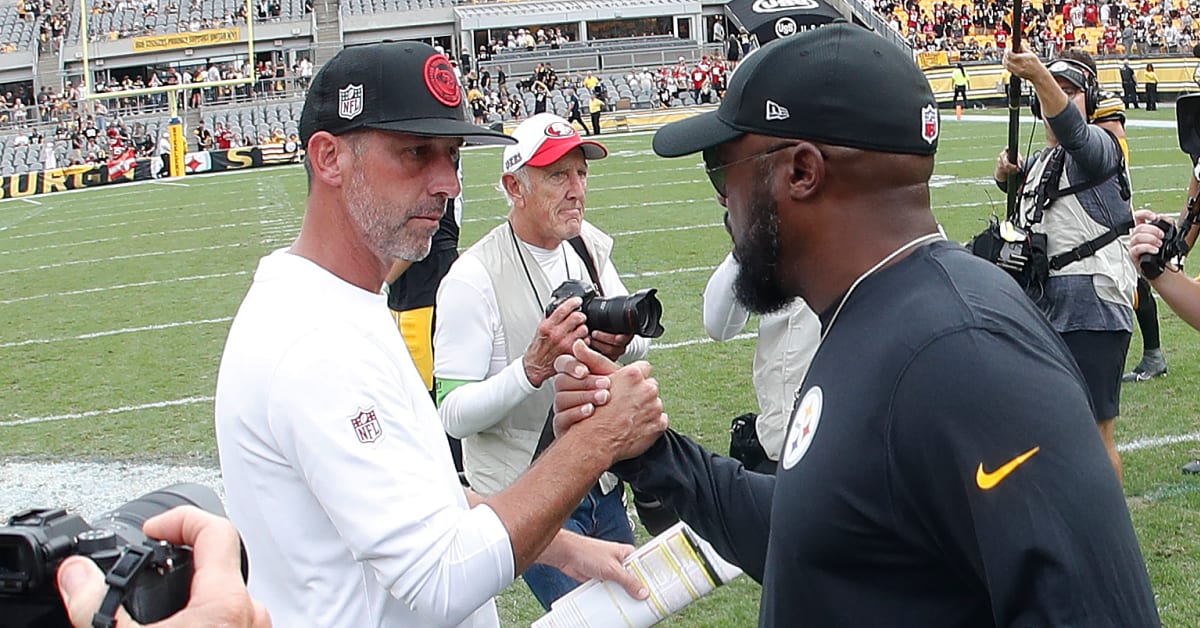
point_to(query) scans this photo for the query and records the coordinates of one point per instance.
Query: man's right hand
(554, 337)
(619, 407)
(217, 598)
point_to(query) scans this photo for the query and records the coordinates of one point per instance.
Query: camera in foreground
(1174, 246)
(156, 575)
(639, 313)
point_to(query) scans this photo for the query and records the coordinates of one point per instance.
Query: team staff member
(1089, 301)
(786, 342)
(941, 467)
(1150, 77)
(495, 346)
(595, 106)
(961, 80)
(412, 294)
(336, 467)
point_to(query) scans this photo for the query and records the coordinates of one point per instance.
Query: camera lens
(639, 313)
(126, 521)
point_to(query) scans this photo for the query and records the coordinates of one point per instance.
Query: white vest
(493, 458)
(1067, 225)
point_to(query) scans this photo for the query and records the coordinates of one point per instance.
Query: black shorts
(1101, 358)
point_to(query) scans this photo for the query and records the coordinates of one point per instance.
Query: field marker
(114, 332)
(1155, 442)
(187, 401)
(31, 201)
(121, 286)
(122, 257)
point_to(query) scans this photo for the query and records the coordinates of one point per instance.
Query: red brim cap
(552, 150)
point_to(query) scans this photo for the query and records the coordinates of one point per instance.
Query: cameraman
(218, 597)
(494, 346)
(1181, 292)
(1089, 301)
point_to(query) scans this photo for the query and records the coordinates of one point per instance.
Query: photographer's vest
(1069, 227)
(493, 458)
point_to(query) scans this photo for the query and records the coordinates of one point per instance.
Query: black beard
(759, 283)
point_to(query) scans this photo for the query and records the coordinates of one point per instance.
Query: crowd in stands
(82, 132)
(58, 20)
(493, 97)
(981, 29)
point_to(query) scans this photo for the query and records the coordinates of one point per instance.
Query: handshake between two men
(621, 404)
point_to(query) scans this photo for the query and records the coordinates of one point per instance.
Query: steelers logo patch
(804, 427)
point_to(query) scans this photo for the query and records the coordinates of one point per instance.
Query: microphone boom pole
(1014, 109)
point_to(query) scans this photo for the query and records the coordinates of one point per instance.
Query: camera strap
(1091, 247)
(120, 578)
(586, 256)
(581, 249)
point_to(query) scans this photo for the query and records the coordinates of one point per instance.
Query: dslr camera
(639, 313)
(154, 577)
(1174, 244)
(1175, 247)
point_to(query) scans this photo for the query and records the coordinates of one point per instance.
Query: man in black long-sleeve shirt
(941, 467)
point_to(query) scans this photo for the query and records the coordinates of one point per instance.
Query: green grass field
(115, 305)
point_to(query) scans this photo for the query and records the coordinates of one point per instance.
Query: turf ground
(115, 304)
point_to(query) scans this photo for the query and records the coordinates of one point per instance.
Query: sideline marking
(186, 401)
(113, 332)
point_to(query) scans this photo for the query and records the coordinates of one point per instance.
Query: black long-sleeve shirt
(942, 468)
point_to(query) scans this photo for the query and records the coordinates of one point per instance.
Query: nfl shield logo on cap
(350, 101)
(929, 123)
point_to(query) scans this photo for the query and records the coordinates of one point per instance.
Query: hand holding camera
(1157, 243)
(218, 596)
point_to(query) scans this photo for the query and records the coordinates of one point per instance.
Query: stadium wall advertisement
(1176, 76)
(93, 175)
(187, 40)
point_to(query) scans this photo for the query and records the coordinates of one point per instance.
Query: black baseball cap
(404, 86)
(1075, 72)
(838, 84)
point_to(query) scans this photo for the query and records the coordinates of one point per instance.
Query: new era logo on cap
(776, 111)
(543, 139)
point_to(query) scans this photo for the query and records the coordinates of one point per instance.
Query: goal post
(175, 133)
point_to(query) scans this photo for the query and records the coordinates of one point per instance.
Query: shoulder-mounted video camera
(639, 313)
(151, 578)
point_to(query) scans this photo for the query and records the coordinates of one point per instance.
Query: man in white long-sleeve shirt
(787, 340)
(336, 469)
(495, 346)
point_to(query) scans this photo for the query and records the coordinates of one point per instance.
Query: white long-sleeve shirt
(469, 340)
(336, 468)
(786, 343)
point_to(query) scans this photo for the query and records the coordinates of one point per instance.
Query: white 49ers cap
(543, 139)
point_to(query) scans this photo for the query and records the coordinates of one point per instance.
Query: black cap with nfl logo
(837, 84)
(404, 86)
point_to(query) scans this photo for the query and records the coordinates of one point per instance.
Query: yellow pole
(175, 167)
(83, 39)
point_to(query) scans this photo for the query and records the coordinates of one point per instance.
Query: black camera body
(1174, 246)
(639, 313)
(35, 541)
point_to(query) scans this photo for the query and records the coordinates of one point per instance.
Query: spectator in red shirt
(224, 136)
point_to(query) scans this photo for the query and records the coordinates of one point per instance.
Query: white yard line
(114, 332)
(186, 401)
(139, 284)
(121, 257)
